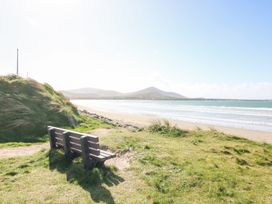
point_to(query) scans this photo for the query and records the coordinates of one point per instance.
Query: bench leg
(73, 155)
(87, 161)
(100, 164)
(52, 140)
(90, 164)
(66, 145)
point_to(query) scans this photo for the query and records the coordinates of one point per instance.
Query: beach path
(22, 151)
(32, 149)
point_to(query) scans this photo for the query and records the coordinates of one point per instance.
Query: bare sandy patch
(121, 162)
(22, 151)
(101, 132)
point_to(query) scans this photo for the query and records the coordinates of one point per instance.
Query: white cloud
(258, 90)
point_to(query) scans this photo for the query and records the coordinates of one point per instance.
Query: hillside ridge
(150, 93)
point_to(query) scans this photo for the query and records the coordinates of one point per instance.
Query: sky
(199, 48)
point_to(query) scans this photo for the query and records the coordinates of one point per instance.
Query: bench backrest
(73, 140)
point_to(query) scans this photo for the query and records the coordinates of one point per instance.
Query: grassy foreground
(168, 166)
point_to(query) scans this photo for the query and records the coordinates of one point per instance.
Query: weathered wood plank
(107, 156)
(58, 131)
(66, 145)
(92, 138)
(58, 135)
(76, 150)
(60, 144)
(102, 152)
(52, 140)
(75, 134)
(59, 139)
(93, 145)
(75, 140)
(94, 151)
(97, 157)
(87, 161)
(76, 145)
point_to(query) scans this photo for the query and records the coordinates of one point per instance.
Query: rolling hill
(150, 93)
(90, 93)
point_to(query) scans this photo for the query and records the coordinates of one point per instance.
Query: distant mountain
(150, 93)
(90, 93)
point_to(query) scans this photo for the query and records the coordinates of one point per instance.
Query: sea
(245, 114)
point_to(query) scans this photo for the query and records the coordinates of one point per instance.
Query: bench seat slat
(59, 136)
(97, 157)
(107, 156)
(59, 143)
(74, 138)
(71, 139)
(94, 151)
(102, 157)
(92, 138)
(106, 153)
(59, 132)
(76, 135)
(59, 139)
(93, 145)
(76, 150)
(76, 145)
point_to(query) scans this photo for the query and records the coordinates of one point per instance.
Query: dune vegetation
(27, 107)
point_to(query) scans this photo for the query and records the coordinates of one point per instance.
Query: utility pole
(17, 62)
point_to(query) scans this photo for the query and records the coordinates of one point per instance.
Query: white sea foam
(252, 115)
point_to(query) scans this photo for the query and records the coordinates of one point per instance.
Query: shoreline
(144, 120)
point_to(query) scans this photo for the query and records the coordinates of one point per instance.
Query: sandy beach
(144, 120)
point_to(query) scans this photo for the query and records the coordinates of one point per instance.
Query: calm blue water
(246, 114)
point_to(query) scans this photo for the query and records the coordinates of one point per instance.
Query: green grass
(28, 107)
(166, 129)
(85, 124)
(48, 178)
(197, 167)
(88, 123)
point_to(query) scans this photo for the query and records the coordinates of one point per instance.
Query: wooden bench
(75, 143)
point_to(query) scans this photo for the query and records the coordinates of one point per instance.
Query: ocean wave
(254, 118)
